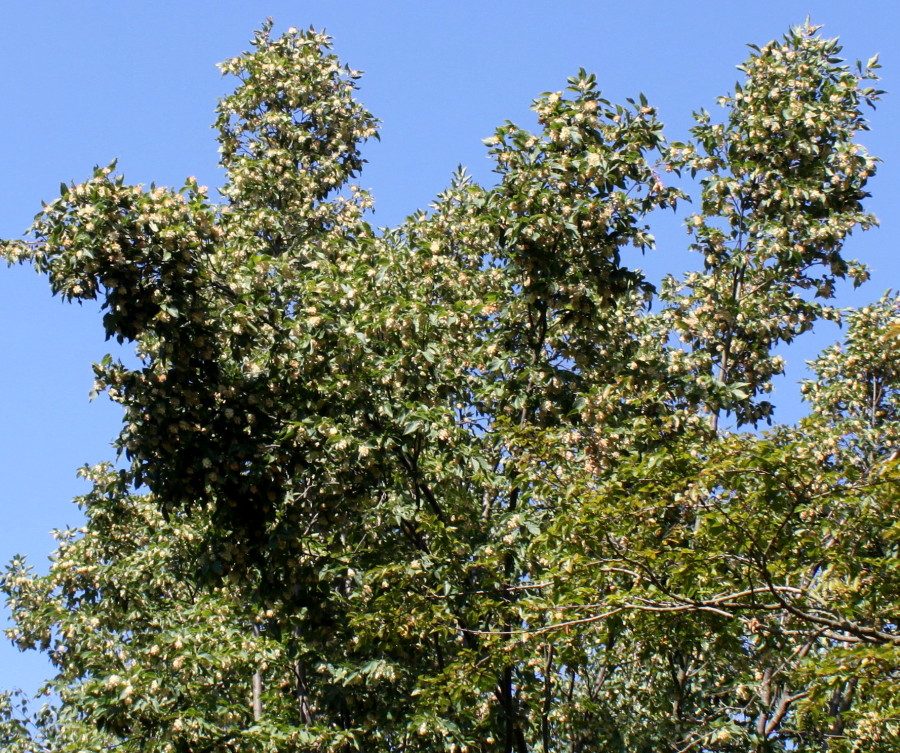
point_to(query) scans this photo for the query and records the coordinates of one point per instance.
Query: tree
(454, 485)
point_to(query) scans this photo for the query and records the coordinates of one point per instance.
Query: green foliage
(782, 188)
(452, 485)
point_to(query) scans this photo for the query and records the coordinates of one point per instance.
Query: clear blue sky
(84, 83)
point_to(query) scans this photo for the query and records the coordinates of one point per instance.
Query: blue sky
(84, 83)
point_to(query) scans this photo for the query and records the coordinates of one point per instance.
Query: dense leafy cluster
(454, 486)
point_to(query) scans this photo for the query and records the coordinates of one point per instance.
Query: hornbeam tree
(454, 486)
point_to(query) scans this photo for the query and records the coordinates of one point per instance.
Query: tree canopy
(471, 483)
